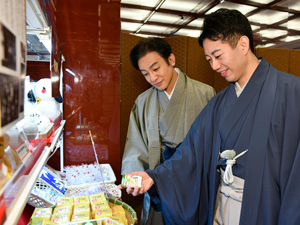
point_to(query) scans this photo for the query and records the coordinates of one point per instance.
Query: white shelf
(14, 211)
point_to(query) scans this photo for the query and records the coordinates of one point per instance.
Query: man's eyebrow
(153, 64)
(215, 51)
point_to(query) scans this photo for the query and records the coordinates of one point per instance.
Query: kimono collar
(170, 95)
(235, 107)
(238, 88)
(258, 146)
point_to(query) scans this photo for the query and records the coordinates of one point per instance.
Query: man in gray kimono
(162, 115)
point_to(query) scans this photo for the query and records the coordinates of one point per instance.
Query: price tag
(22, 150)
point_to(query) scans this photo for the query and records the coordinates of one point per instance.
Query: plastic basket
(40, 202)
(111, 189)
(106, 168)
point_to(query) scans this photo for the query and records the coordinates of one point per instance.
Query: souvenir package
(82, 216)
(81, 200)
(98, 214)
(48, 223)
(84, 207)
(118, 209)
(100, 205)
(131, 181)
(39, 215)
(119, 212)
(52, 179)
(61, 201)
(96, 198)
(61, 218)
(113, 219)
(64, 209)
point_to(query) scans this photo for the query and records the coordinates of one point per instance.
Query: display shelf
(15, 209)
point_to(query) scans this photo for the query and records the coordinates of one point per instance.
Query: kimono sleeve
(136, 154)
(180, 184)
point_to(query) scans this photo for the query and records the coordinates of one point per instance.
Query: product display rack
(15, 209)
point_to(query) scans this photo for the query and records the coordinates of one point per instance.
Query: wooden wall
(279, 58)
(294, 62)
(179, 47)
(132, 84)
(286, 60)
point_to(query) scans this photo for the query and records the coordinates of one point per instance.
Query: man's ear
(172, 59)
(244, 44)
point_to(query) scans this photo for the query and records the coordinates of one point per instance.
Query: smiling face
(157, 71)
(230, 62)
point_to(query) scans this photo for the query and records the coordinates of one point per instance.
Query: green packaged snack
(131, 181)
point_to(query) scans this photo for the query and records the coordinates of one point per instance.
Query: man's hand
(147, 183)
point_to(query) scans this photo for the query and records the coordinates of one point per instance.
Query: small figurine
(45, 103)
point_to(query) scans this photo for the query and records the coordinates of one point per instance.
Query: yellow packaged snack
(112, 221)
(61, 218)
(118, 209)
(65, 201)
(100, 205)
(82, 216)
(65, 209)
(96, 198)
(81, 200)
(48, 223)
(40, 214)
(102, 213)
(82, 208)
(123, 216)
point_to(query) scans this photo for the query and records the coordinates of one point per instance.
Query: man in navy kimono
(240, 161)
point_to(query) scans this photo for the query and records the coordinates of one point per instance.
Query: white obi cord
(230, 157)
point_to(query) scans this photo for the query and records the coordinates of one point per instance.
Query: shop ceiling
(275, 23)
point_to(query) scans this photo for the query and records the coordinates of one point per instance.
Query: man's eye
(145, 74)
(156, 69)
(209, 60)
(218, 56)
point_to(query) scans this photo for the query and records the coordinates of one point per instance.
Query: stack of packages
(78, 209)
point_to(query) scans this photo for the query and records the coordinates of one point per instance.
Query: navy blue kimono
(265, 119)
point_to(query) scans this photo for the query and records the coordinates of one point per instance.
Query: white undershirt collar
(238, 89)
(170, 95)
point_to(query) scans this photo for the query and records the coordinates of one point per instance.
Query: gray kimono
(157, 122)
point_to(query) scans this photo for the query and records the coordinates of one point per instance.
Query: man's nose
(153, 76)
(215, 65)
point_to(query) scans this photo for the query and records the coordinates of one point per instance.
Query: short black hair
(226, 25)
(153, 44)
